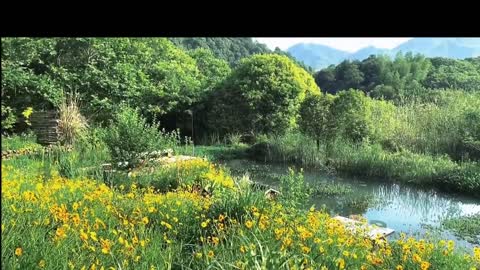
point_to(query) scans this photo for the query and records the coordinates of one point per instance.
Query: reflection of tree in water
(409, 201)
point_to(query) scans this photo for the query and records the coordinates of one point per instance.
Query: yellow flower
(41, 264)
(476, 253)
(18, 251)
(198, 255)
(93, 235)
(451, 245)
(417, 258)
(425, 265)
(399, 267)
(106, 245)
(145, 220)
(341, 263)
(221, 218)
(211, 254)
(306, 249)
(204, 224)
(215, 240)
(249, 224)
(243, 249)
(60, 233)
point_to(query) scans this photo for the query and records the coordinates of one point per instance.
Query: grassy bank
(371, 160)
(202, 218)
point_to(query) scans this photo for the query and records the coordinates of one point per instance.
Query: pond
(401, 207)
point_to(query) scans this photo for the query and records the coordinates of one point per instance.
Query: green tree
(231, 50)
(213, 70)
(352, 112)
(262, 95)
(325, 79)
(315, 116)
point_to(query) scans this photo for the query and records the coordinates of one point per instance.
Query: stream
(404, 208)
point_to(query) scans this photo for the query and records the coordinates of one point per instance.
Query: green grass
(331, 189)
(20, 142)
(216, 152)
(371, 161)
(467, 228)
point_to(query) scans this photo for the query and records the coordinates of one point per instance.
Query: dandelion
(211, 254)
(399, 267)
(18, 252)
(203, 224)
(198, 255)
(145, 220)
(41, 264)
(249, 224)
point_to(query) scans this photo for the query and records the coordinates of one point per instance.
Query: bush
(352, 113)
(8, 118)
(129, 137)
(465, 178)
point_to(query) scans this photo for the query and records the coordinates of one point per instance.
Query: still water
(404, 208)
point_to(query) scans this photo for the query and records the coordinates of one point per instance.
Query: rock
(272, 193)
(107, 166)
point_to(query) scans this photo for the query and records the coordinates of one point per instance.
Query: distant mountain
(320, 56)
(366, 52)
(316, 55)
(457, 48)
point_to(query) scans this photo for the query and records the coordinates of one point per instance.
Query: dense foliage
(404, 76)
(263, 94)
(231, 50)
(149, 73)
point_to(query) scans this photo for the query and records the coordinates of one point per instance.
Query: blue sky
(345, 44)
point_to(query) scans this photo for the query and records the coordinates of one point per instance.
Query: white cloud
(345, 44)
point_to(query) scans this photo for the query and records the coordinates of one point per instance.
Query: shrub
(129, 137)
(294, 191)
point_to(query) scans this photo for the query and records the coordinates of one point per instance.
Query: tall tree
(262, 95)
